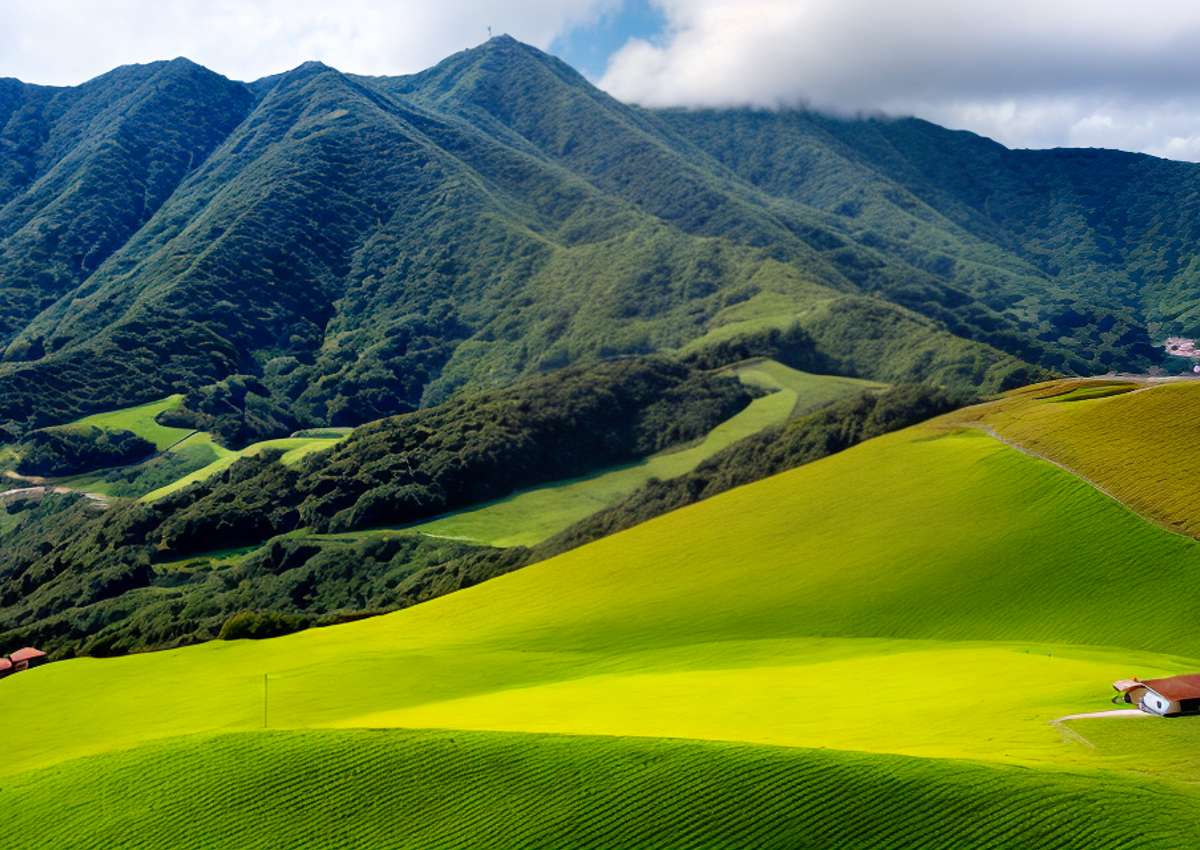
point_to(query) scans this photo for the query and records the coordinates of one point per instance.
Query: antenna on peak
(489, 31)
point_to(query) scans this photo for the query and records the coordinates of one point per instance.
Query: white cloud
(67, 41)
(1031, 73)
(1027, 72)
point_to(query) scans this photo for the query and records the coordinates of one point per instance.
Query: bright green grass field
(294, 450)
(474, 791)
(931, 594)
(140, 420)
(533, 515)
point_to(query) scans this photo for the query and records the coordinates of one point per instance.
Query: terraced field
(534, 515)
(892, 634)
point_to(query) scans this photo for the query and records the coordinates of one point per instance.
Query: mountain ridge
(370, 245)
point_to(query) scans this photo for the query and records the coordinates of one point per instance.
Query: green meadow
(195, 453)
(141, 421)
(931, 600)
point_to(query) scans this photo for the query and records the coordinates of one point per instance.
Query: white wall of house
(1159, 704)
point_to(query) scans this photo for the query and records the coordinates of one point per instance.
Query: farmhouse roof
(28, 653)
(5, 664)
(1176, 687)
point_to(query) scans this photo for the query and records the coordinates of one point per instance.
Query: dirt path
(1070, 734)
(37, 486)
(39, 491)
(1088, 715)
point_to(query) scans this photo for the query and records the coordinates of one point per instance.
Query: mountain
(366, 246)
(637, 488)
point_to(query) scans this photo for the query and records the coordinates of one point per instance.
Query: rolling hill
(908, 626)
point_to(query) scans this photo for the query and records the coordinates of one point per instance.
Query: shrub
(256, 625)
(71, 449)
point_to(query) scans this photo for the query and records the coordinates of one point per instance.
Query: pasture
(907, 623)
(487, 791)
(141, 421)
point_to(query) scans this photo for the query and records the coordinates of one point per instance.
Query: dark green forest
(72, 579)
(71, 449)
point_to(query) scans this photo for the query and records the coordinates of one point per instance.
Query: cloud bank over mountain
(1027, 72)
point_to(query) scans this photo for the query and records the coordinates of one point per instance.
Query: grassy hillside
(915, 596)
(139, 576)
(453, 789)
(184, 457)
(142, 420)
(643, 601)
(291, 451)
(1133, 439)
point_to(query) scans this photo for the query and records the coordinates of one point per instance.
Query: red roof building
(25, 658)
(1168, 697)
(6, 667)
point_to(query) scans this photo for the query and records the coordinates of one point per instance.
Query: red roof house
(5, 667)
(25, 658)
(1168, 697)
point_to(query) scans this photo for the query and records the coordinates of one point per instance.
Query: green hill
(454, 789)
(918, 595)
(613, 402)
(143, 574)
(1132, 438)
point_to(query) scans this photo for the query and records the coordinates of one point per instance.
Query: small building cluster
(20, 660)
(1169, 697)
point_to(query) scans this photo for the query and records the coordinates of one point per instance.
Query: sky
(1029, 73)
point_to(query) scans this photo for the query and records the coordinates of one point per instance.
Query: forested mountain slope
(367, 246)
(1096, 246)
